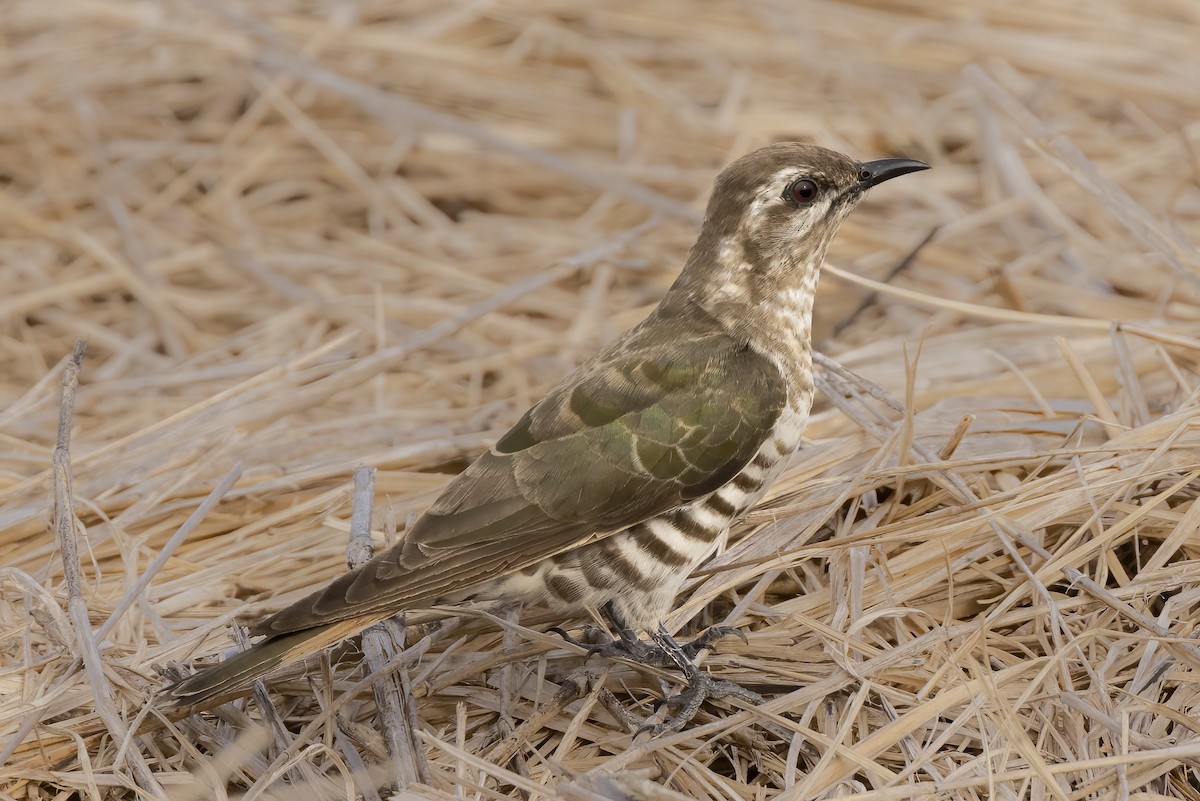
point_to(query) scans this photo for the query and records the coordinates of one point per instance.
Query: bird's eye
(801, 192)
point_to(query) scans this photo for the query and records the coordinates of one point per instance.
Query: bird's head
(773, 213)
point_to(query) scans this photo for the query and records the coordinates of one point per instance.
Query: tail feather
(233, 677)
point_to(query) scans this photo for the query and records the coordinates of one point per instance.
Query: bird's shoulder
(674, 361)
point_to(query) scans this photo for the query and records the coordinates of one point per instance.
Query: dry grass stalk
(377, 643)
(312, 237)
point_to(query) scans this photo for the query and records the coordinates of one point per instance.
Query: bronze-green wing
(647, 427)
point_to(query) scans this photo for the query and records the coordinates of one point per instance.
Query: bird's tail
(231, 678)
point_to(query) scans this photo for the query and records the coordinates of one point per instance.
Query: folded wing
(647, 427)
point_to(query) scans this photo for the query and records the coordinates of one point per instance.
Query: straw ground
(301, 238)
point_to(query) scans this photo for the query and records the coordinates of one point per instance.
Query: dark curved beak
(872, 173)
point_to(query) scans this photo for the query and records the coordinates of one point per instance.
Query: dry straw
(301, 238)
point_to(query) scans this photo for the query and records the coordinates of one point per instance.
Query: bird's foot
(664, 652)
(701, 687)
(631, 648)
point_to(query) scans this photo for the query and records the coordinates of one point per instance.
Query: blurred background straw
(301, 237)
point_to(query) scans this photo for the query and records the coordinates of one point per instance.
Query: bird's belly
(642, 568)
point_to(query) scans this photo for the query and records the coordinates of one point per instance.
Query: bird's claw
(701, 687)
(693, 647)
(561, 632)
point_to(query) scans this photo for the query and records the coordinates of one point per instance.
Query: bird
(610, 490)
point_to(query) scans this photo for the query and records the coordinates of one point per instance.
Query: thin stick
(377, 642)
(64, 530)
(969, 309)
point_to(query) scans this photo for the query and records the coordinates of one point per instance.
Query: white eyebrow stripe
(779, 175)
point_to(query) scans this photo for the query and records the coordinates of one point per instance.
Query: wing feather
(643, 428)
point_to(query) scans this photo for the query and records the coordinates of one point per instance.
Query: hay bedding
(304, 237)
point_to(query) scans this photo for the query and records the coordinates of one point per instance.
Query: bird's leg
(627, 645)
(700, 686)
(691, 649)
